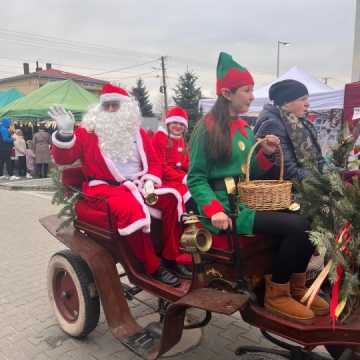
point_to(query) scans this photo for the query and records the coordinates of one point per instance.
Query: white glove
(65, 120)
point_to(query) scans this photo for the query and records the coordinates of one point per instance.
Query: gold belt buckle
(230, 185)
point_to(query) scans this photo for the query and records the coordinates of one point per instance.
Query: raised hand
(65, 120)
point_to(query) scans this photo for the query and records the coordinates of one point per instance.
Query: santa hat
(110, 92)
(230, 74)
(177, 114)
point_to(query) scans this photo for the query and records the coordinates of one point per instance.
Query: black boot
(166, 277)
(179, 269)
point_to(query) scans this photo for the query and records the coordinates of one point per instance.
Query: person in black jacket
(285, 118)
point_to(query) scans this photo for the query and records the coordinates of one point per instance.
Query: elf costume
(208, 179)
(202, 172)
(172, 153)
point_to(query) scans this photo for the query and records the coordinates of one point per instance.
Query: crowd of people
(24, 150)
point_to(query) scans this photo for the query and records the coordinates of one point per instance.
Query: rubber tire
(89, 306)
(335, 351)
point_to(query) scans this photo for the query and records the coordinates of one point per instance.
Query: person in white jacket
(20, 149)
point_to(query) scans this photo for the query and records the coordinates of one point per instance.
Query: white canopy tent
(322, 97)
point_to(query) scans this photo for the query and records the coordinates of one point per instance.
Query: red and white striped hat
(111, 92)
(177, 114)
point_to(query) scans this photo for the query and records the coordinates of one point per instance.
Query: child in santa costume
(169, 143)
(219, 149)
(119, 163)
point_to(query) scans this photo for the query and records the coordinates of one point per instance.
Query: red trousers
(132, 219)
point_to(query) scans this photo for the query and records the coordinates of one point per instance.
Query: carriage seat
(73, 178)
(87, 214)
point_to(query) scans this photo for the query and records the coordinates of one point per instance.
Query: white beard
(116, 131)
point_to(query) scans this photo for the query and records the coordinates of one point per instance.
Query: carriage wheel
(72, 294)
(340, 352)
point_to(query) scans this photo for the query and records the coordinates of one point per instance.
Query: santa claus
(121, 165)
(170, 146)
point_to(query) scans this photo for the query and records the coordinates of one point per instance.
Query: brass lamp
(195, 240)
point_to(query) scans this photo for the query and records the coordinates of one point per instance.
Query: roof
(54, 74)
(6, 97)
(36, 104)
(314, 85)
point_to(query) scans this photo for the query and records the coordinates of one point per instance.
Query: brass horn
(149, 193)
(151, 199)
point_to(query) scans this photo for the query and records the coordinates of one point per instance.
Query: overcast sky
(191, 33)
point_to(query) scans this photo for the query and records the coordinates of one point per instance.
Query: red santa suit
(172, 153)
(121, 184)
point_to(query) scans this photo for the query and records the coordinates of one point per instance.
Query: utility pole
(355, 76)
(164, 87)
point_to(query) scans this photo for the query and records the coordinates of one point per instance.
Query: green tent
(36, 105)
(7, 97)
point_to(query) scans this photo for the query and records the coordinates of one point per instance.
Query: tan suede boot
(298, 290)
(278, 300)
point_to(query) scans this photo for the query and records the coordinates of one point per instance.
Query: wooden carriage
(87, 272)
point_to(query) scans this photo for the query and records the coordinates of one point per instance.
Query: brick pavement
(28, 329)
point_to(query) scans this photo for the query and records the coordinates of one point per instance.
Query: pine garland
(331, 203)
(63, 196)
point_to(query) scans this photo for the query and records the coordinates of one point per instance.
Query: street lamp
(278, 55)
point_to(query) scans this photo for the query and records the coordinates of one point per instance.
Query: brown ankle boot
(298, 290)
(278, 300)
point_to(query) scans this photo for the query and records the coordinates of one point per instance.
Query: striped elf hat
(230, 74)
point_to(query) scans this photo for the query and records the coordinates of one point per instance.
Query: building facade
(30, 81)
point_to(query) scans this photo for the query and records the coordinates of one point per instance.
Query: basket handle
(279, 149)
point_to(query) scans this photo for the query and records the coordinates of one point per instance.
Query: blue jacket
(269, 122)
(4, 130)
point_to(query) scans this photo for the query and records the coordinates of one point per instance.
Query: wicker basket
(265, 194)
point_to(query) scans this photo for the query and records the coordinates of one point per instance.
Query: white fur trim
(113, 97)
(163, 130)
(174, 192)
(63, 144)
(153, 178)
(135, 192)
(184, 179)
(177, 119)
(155, 213)
(135, 226)
(140, 147)
(97, 182)
(187, 196)
(112, 168)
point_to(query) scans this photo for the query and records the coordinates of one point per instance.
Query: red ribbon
(335, 294)
(342, 239)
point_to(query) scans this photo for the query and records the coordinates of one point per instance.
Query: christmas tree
(187, 95)
(142, 96)
(333, 205)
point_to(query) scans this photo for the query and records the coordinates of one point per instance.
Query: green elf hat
(230, 74)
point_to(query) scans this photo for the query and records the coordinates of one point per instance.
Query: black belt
(219, 184)
(108, 181)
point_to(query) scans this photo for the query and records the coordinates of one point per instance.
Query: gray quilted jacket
(269, 122)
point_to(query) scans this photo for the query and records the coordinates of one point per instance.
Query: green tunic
(202, 171)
